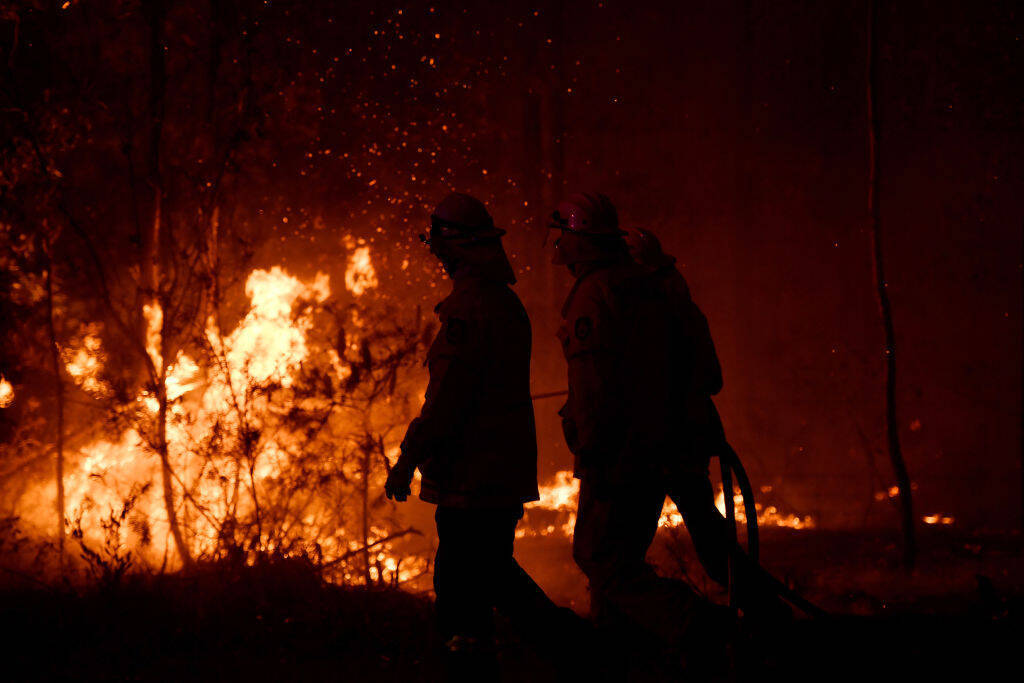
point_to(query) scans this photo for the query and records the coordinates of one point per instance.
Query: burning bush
(278, 434)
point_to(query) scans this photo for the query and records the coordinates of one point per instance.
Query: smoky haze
(736, 132)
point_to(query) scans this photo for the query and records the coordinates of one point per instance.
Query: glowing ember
(938, 519)
(890, 492)
(6, 393)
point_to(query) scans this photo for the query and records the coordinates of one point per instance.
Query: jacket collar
(585, 270)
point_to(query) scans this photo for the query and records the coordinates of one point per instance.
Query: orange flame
(560, 496)
(84, 364)
(360, 274)
(228, 401)
(6, 393)
(766, 516)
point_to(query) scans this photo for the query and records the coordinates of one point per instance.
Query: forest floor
(958, 614)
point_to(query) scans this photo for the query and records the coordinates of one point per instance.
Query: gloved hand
(399, 478)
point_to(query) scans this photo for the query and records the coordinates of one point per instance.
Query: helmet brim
(465, 232)
(587, 233)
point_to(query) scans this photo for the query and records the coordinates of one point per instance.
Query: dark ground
(958, 615)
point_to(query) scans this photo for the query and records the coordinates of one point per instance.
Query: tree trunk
(367, 448)
(58, 379)
(155, 11)
(166, 476)
(736, 245)
(881, 290)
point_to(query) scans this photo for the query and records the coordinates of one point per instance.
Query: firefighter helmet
(461, 217)
(587, 214)
(645, 248)
(462, 232)
(590, 229)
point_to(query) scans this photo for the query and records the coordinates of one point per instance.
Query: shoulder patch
(455, 331)
(583, 327)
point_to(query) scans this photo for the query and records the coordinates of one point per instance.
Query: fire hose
(731, 465)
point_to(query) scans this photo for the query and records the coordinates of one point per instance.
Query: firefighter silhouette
(630, 340)
(702, 436)
(474, 440)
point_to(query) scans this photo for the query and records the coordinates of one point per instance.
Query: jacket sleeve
(593, 414)
(452, 361)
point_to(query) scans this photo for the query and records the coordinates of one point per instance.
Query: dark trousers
(709, 532)
(475, 573)
(615, 526)
(695, 499)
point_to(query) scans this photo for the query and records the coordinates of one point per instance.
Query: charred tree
(882, 293)
(157, 347)
(364, 494)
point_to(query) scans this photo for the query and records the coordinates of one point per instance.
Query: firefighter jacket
(474, 440)
(692, 331)
(700, 374)
(623, 406)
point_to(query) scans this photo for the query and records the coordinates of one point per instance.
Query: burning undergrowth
(271, 436)
(268, 436)
(555, 512)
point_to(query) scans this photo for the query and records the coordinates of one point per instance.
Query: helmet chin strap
(448, 260)
(450, 265)
(558, 258)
